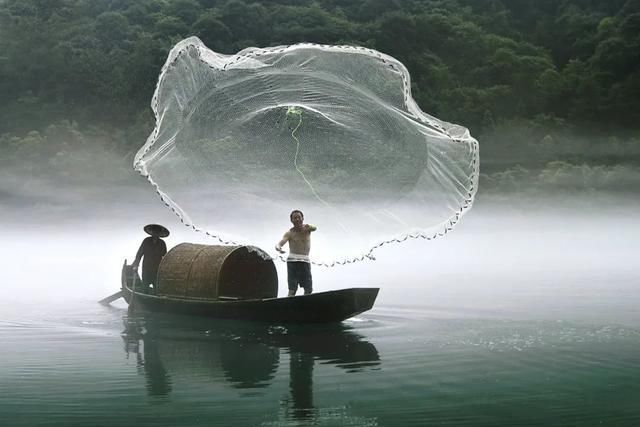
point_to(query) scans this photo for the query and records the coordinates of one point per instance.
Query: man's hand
(279, 249)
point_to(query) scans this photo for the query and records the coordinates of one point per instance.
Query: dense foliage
(535, 80)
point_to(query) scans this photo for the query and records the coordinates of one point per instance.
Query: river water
(512, 320)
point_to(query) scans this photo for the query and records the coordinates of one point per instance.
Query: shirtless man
(298, 263)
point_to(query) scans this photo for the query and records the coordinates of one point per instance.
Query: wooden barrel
(217, 272)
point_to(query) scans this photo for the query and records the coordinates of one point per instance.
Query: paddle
(133, 289)
(111, 298)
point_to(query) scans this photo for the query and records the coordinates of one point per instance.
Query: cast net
(242, 140)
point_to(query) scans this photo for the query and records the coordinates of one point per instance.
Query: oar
(133, 289)
(111, 298)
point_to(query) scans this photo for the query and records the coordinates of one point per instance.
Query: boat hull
(321, 307)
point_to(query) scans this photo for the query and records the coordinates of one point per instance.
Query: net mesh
(241, 140)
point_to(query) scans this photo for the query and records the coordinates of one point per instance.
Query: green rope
(297, 112)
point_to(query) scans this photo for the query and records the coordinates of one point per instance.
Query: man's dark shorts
(299, 273)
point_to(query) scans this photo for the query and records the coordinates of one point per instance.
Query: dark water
(392, 367)
(525, 325)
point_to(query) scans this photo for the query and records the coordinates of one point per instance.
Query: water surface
(510, 321)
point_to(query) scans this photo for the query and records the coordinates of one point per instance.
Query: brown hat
(156, 230)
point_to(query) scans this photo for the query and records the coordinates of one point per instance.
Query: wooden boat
(331, 306)
(221, 282)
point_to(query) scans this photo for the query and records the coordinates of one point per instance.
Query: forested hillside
(536, 81)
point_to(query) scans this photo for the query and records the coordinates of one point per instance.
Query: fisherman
(152, 249)
(298, 263)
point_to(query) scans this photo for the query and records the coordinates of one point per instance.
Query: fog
(549, 258)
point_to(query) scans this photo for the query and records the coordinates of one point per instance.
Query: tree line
(523, 75)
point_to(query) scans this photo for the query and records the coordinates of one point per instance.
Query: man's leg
(305, 277)
(147, 278)
(292, 278)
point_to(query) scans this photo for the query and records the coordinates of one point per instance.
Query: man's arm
(282, 242)
(311, 227)
(139, 254)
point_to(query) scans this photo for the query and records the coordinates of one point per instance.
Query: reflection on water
(242, 354)
(83, 370)
(525, 320)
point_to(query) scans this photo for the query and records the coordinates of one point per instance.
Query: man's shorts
(299, 273)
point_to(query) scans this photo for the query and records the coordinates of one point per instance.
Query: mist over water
(555, 259)
(525, 306)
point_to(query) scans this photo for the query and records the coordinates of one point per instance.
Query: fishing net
(242, 140)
